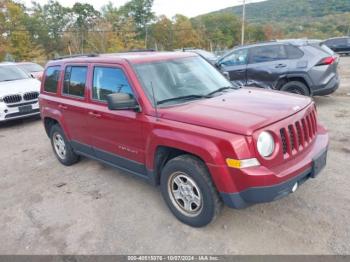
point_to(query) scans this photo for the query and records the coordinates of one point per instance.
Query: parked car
(210, 57)
(18, 93)
(202, 140)
(32, 69)
(297, 66)
(340, 45)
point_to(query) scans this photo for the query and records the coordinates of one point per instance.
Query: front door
(116, 136)
(236, 65)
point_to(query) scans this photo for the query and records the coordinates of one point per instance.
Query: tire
(58, 140)
(186, 175)
(296, 87)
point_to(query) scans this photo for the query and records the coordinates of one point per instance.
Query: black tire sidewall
(71, 157)
(195, 172)
(288, 87)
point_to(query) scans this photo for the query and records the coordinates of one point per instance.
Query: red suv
(174, 120)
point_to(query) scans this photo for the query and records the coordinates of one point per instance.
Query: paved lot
(89, 208)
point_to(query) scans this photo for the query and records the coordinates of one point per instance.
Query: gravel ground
(89, 208)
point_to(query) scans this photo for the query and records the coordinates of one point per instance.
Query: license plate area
(25, 109)
(319, 163)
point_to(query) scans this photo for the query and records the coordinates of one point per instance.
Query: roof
(7, 63)
(296, 42)
(131, 57)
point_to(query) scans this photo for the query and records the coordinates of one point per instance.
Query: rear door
(116, 136)
(266, 65)
(236, 65)
(73, 103)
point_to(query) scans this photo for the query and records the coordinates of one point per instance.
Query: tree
(20, 43)
(162, 33)
(85, 18)
(184, 34)
(46, 25)
(140, 11)
(220, 29)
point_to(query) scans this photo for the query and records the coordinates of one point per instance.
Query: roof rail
(77, 55)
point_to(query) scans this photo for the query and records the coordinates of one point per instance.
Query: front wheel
(296, 87)
(189, 191)
(61, 146)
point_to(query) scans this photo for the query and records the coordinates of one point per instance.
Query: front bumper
(12, 111)
(265, 194)
(261, 184)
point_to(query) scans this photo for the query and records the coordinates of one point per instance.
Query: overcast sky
(188, 8)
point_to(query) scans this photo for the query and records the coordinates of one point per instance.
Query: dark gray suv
(298, 66)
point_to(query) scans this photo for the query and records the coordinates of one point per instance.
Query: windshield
(180, 78)
(11, 73)
(31, 68)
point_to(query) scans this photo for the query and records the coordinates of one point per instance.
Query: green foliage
(49, 30)
(299, 18)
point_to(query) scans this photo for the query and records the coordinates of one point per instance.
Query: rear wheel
(296, 87)
(189, 192)
(61, 147)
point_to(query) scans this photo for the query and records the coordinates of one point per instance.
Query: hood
(19, 87)
(241, 111)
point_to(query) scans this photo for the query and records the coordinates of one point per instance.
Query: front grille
(298, 136)
(31, 96)
(10, 99)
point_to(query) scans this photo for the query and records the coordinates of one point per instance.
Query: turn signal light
(235, 163)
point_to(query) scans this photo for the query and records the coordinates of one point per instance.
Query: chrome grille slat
(10, 99)
(30, 96)
(299, 135)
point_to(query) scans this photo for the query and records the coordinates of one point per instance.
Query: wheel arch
(163, 154)
(298, 78)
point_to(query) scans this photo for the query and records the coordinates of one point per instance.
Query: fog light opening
(295, 187)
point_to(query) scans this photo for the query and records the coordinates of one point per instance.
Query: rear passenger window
(75, 80)
(293, 52)
(51, 79)
(109, 80)
(268, 53)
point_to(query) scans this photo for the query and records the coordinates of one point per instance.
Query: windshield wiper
(220, 90)
(188, 97)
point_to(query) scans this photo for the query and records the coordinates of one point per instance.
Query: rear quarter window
(293, 52)
(52, 75)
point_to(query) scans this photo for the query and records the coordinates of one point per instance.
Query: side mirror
(218, 65)
(227, 75)
(122, 101)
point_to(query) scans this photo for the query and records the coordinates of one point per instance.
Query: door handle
(62, 107)
(280, 66)
(96, 115)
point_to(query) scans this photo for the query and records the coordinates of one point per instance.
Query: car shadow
(19, 122)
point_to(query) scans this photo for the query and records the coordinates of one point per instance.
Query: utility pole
(243, 22)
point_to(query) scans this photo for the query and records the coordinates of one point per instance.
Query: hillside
(276, 10)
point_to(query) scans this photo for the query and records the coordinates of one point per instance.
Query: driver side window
(109, 80)
(238, 57)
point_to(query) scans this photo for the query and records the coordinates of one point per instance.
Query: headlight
(265, 144)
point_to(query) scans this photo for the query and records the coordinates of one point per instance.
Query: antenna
(155, 102)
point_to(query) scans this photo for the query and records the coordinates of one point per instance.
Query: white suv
(18, 93)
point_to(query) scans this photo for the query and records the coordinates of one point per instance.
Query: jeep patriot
(174, 120)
